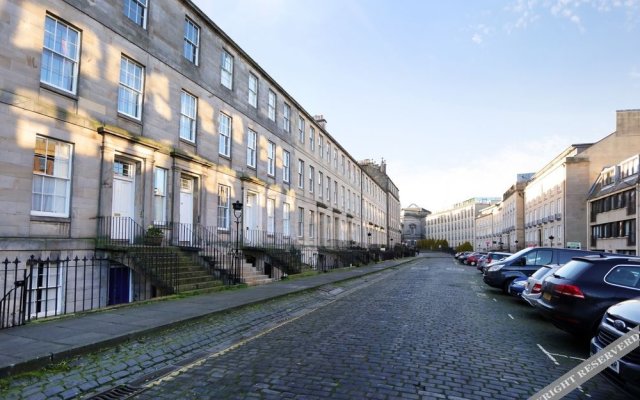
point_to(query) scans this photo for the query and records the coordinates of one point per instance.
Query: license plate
(547, 296)
(615, 366)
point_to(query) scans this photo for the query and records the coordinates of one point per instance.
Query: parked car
(526, 262)
(491, 257)
(472, 259)
(618, 320)
(464, 256)
(533, 287)
(576, 296)
(517, 286)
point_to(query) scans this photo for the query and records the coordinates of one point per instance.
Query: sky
(457, 96)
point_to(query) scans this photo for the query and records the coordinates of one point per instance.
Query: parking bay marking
(510, 316)
(551, 355)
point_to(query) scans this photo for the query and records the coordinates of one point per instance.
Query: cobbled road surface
(430, 329)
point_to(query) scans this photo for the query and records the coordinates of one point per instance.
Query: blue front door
(119, 285)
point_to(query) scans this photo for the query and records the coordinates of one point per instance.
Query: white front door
(122, 222)
(186, 210)
(251, 220)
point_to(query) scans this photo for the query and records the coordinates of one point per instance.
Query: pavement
(40, 343)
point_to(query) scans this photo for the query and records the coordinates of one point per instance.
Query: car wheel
(505, 287)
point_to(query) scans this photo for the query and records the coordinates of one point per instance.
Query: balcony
(545, 220)
(558, 216)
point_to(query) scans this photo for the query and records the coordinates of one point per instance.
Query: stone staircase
(251, 276)
(192, 277)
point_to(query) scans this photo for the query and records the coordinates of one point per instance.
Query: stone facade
(378, 172)
(414, 224)
(109, 119)
(457, 225)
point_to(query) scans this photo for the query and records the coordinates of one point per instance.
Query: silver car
(533, 287)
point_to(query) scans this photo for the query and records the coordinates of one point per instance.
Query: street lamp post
(237, 213)
(551, 240)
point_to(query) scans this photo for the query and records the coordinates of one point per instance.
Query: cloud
(529, 11)
(481, 31)
(439, 187)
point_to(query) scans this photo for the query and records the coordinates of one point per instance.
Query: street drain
(121, 392)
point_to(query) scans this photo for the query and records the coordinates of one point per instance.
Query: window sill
(61, 92)
(137, 121)
(188, 142)
(48, 218)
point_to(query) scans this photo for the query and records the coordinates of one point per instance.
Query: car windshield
(517, 255)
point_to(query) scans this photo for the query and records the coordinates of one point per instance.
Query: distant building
(511, 231)
(414, 224)
(612, 208)
(556, 197)
(391, 200)
(457, 224)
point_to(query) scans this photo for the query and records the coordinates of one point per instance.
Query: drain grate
(117, 393)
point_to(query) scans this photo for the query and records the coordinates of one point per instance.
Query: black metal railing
(41, 288)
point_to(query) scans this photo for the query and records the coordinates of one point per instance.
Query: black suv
(619, 320)
(522, 264)
(576, 296)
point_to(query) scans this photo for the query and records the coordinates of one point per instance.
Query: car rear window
(624, 275)
(541, 272)
(572, 269)
(564, 256)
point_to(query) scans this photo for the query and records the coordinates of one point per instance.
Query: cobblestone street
(427, 330)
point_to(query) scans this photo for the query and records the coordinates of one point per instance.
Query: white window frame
(301, 129)
(286, 219)
(131, 88)
(320, 183)
(271, 159)
(286, 166)
(188, 116)
(160, 195)
(252, 142)
(321, 146)
(300, 222)
(52, 174)
(224, 201)
(136, 11)
(312, 139)
(286, 118)
(226, 70)
(253, 90)
(271, 220)
(224, 130)
(300, 174)
(312, 227)
(271, 105)
(312, 176)
(191, 46)
(60, 55)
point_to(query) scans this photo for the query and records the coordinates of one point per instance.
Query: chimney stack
(321, 121)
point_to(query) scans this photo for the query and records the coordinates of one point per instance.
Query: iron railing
(41, 288)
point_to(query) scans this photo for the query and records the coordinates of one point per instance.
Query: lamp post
(237, 213)
(391, 245)
(551, 240)
(516, 242)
